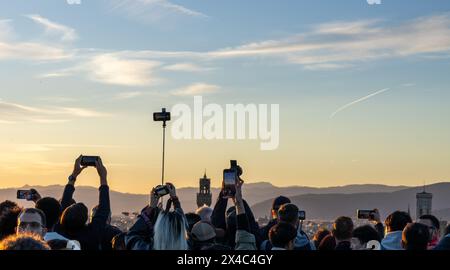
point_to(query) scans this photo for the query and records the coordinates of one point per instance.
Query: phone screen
(301, 215)
(24, 194)
(364, 214)
(88, 160)
(229, 178)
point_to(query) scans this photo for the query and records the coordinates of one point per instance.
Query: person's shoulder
(113, 229)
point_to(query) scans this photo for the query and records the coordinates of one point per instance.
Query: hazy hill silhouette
(328, 206)
(254, 193)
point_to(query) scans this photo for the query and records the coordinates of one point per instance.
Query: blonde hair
(170, 231)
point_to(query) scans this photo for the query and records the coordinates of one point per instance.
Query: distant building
(204, 195)
(424, 203)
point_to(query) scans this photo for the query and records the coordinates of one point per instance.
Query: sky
(363, 90)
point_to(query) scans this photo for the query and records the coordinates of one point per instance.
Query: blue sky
(86, 77)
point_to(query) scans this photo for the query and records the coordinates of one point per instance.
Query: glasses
(33, 225)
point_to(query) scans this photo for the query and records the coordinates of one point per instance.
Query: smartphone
(162, 190)
(161, 116)
(25, 195)
(365, 214)
(229, 183)
(89, 160)
(301, 215)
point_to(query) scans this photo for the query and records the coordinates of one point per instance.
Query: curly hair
(23, 241)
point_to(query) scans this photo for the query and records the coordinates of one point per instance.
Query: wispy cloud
(152, 10)
(328, 46)
(345, 43)
(111, 69)
(11, 49)
(128, 95)
(196, 89)
(14, 112)
(187, 67)
(348, 105)
(32, 51)
(52, 28)
(335, 45)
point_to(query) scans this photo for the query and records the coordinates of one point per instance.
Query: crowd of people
(65, 225)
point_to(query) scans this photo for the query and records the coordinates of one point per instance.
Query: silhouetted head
(8, 221)
(52, 210)
(277, 202)
(283, 235)
(434, 226)
(319, 236)
(6, 205)
(25, 241)
(364, 234)
(415, 237)
(74, 218)
(328, 243)
(342, 229)
(288, 213)
(397, 221)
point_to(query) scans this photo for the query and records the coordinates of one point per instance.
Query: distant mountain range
(327, 206)
(319, 203)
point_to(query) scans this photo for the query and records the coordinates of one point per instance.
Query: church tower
(204, 195)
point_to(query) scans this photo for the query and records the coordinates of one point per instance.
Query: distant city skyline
(363, 90)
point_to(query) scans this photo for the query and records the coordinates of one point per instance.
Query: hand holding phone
(24, 195)
(161, 190)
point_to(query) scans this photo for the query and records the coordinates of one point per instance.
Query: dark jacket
(90, 235)
(108, 234)
(264, 231)
(345, 245)
(218, 219)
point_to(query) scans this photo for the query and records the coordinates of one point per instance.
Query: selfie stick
(164, 147)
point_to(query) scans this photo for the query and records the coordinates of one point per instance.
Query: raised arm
(218, 214)
(69, 189)
(101, 215)
(245, 240)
